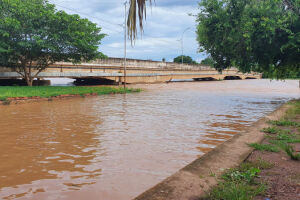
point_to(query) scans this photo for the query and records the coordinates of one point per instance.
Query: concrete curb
(194, 180)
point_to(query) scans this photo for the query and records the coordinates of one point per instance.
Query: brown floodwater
(117, 146)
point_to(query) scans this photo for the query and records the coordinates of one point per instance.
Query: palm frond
(136, 6)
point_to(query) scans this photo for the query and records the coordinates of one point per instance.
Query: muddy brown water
(117, 146)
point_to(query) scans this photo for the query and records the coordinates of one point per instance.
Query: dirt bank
(194, 180)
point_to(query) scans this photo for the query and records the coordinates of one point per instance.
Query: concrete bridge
(138, 71)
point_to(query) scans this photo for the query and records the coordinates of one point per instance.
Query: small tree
(186, 60)
(34, 35)
(208, 61)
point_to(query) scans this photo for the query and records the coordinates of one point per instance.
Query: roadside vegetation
(240, 183)
(51, 91)
(34, 35)
(260, 36)
(184, 59)
(255, 179)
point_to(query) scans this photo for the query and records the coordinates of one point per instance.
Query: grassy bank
(51, 91)
(272, 171)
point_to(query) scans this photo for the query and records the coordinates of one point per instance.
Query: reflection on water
(117, 146)
(41, 143)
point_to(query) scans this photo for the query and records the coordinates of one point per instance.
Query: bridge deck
(135, 74)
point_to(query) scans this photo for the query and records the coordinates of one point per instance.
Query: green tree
(186, 60)
(208, 61)
(34, 35)
(252, 35)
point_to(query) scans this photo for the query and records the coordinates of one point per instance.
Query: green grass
(239, 183)
(288, 138)
(264, 147)
(235, 191)
(291, 152)
(271, 130)
(294, 110)
(259, 163)
(290, 114)
(51, 91)
(284, 122)
(282, 138)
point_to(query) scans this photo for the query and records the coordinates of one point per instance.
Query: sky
(163, 29)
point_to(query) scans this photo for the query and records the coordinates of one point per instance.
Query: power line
(106, 21)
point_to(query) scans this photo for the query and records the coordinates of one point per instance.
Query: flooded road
(117, 146)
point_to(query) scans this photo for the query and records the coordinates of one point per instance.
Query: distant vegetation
(272, 72)
(50, 91)
(208, 61)
(252, 35)
(186, 60)
(34, 35)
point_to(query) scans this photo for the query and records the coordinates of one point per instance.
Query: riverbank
(271, 171)
(196, 180)
(18, 94)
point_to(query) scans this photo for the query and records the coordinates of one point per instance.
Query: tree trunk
(27, 75)
(29, 80)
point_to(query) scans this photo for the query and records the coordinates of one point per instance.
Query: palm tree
(136, 7)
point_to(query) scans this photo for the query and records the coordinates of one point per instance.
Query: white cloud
(166, 21)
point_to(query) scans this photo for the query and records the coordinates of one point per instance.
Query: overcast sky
(165, 23)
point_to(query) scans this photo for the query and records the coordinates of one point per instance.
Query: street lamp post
(182, 43)
(125, 45)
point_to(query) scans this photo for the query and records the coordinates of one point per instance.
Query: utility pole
(182, 43)
(125, 43)
(182, 50)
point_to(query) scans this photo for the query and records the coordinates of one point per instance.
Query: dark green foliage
(186, 60)
(33, 35)
(208, 61)
(252, 35)
(264, 147)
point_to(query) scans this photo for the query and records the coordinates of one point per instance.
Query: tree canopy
(252, 35)
(34, 35)
(186, 60)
